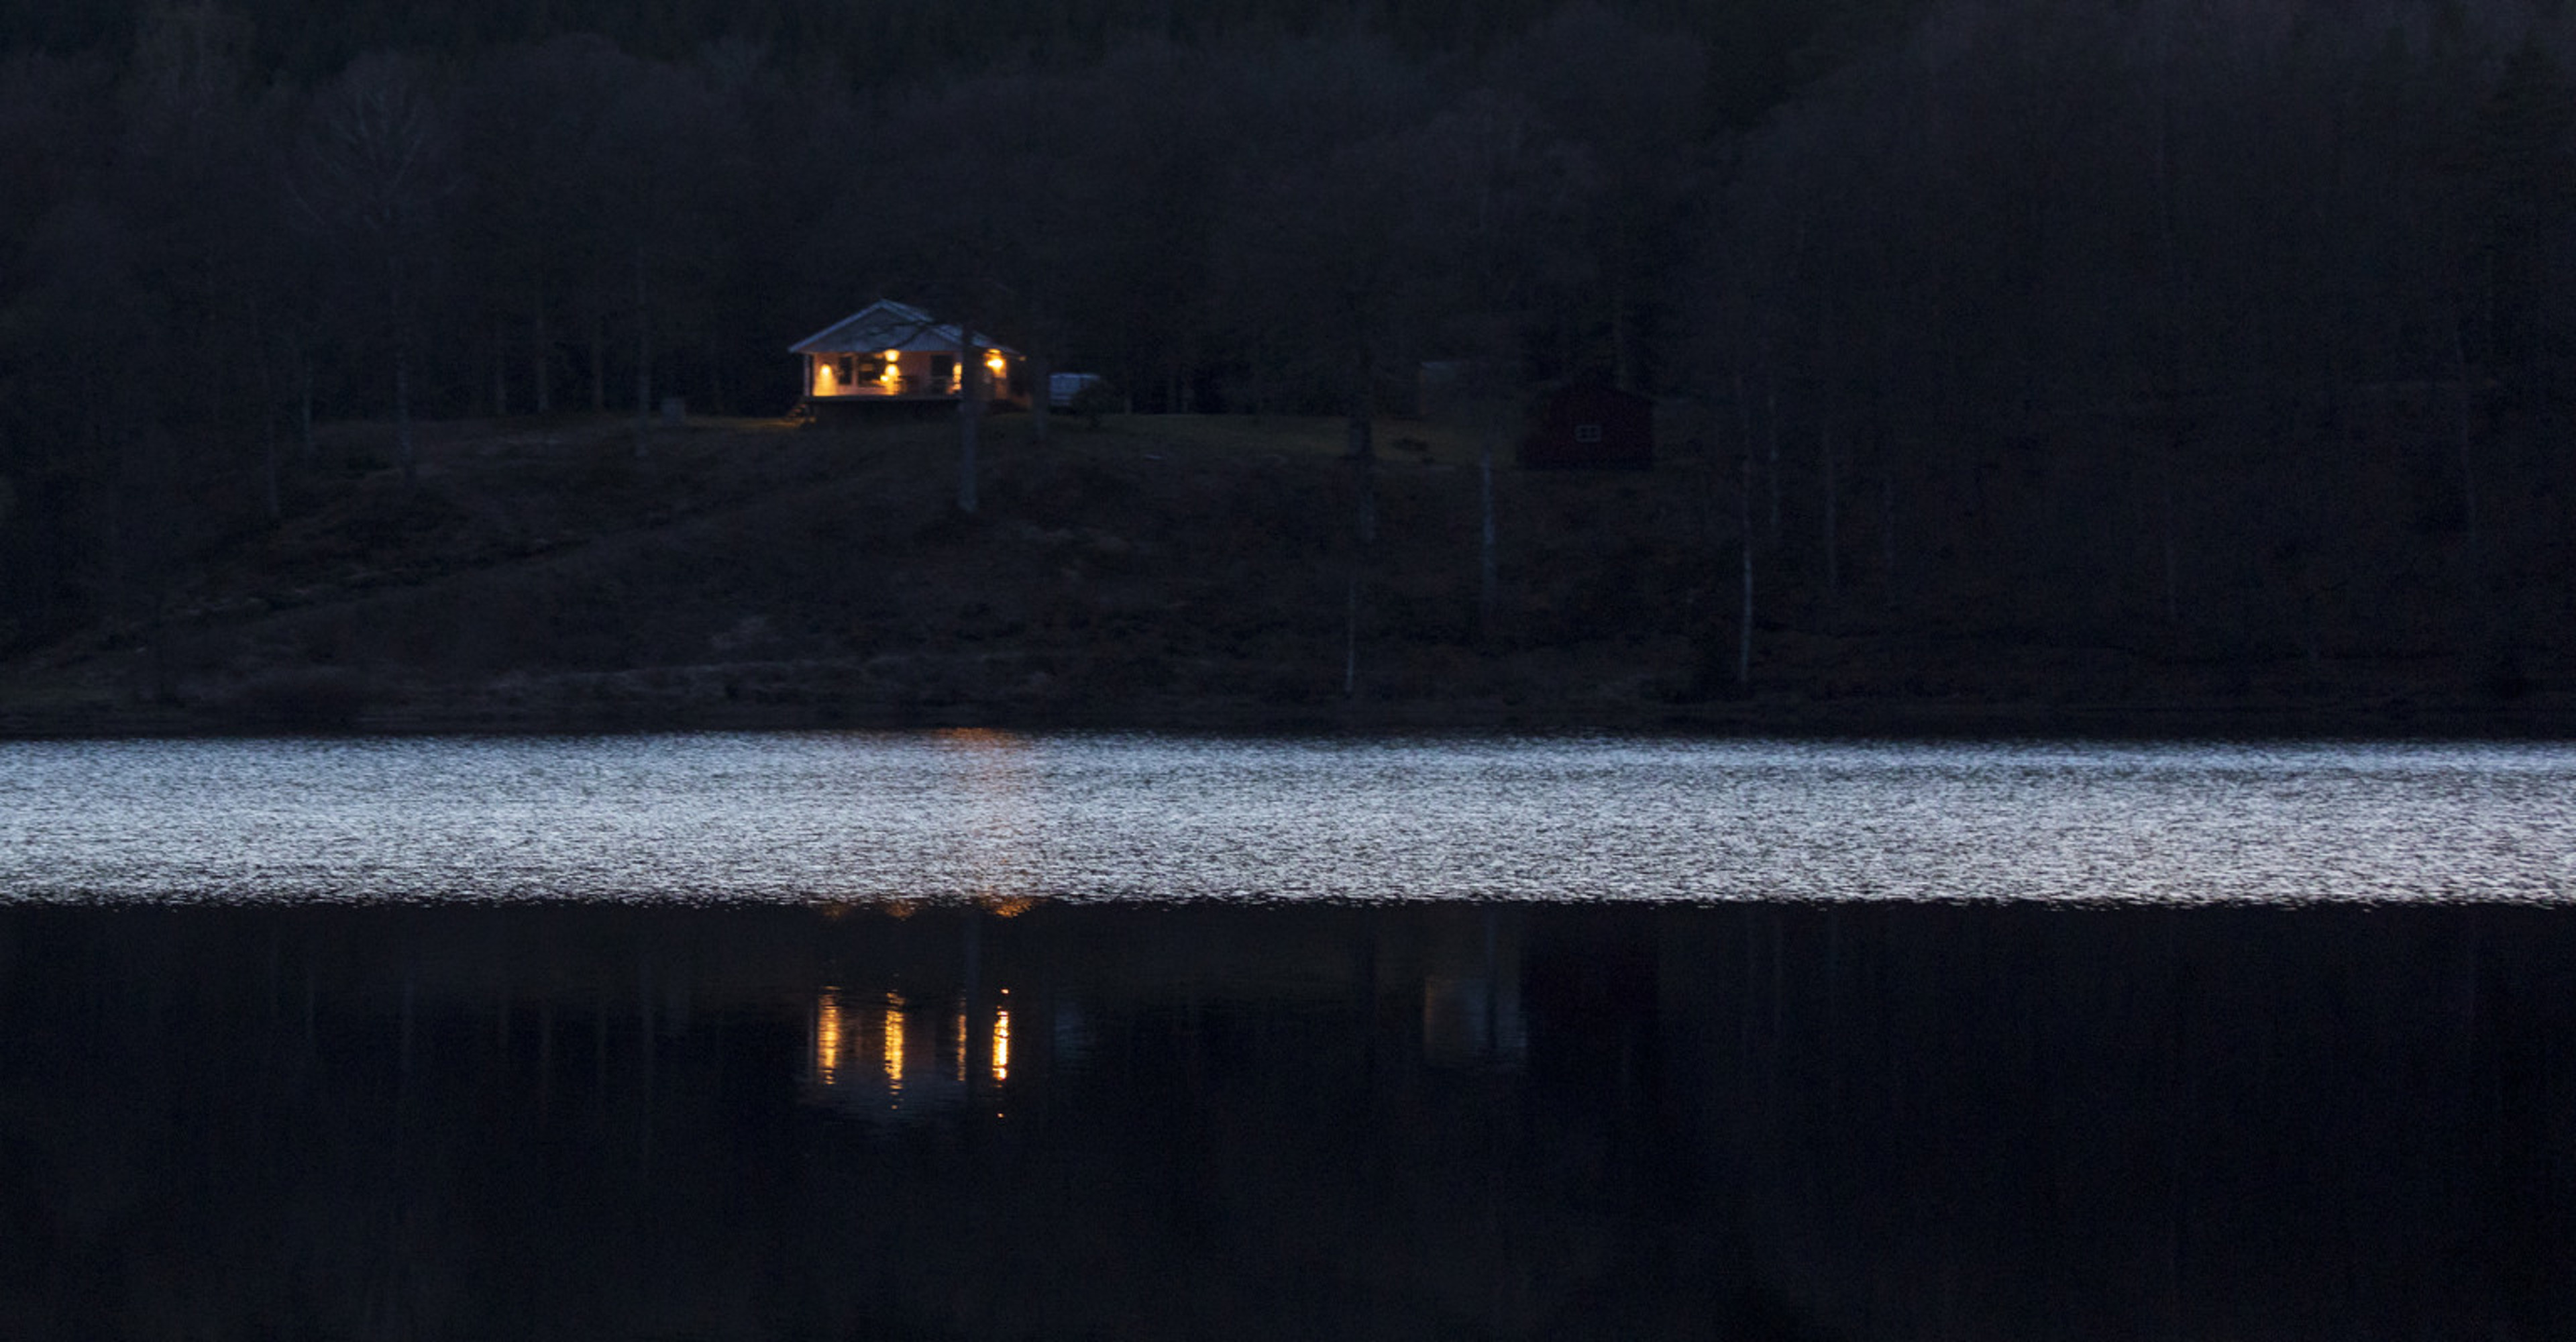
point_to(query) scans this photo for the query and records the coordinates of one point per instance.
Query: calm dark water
(374, 1092)
(1880, 1121)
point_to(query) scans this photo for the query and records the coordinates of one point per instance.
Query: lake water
(965, 1035)
(979, 814)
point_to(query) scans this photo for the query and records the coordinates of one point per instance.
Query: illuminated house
(889, 352)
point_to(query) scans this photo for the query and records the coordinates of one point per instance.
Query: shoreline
(1757, 717)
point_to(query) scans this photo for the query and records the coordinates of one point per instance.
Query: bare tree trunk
(2460, 436)
(643, 362)
(598, 363)
(398, 313)
(269, 497)
(1887, 526)
(1041, 396)
(2170, 515)
(1351, 637)
(970, 415)
(1744, 435)
(1825, 441)
(1744, 548)
(1486, 583)
(1363, 445)
(2169, 279)
(1623, 343)
(1833, 538)
(304, 402)
(540, 357)
(402, 409)
(267, 415)
(1770, 430)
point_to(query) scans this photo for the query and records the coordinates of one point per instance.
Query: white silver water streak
(985, 815)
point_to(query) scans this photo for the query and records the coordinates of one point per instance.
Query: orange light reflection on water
(827, 1038)
(894, 1041)
(839, 1027)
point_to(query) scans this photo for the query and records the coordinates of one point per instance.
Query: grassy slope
(1154, 571)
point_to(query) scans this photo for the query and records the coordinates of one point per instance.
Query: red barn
(1590, 425)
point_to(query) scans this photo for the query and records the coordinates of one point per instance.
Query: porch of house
(862, 376)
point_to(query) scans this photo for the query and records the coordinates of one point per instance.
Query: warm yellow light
(827, 1038)
(826, 382)
(894, 1038)
(1001, 1046)
(894, 356)
(996, 362)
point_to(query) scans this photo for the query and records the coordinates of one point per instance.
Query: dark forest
(2207, 334)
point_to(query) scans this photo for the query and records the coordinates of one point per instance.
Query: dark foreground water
(1190, 1122)
(2319, 1083)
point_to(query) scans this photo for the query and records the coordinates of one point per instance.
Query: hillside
(1154, 571)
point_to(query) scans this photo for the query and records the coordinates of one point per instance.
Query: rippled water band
(997, 816)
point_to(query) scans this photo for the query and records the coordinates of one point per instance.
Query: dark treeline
(2208, 329)
(1762, 46)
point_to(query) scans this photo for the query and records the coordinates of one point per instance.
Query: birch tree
(371, 177)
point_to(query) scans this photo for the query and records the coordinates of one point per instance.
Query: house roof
(887, 324)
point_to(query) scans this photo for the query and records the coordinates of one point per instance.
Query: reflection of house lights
(1001, 1045)
(894, 1039)
(961, 1040)
(827, 1038)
